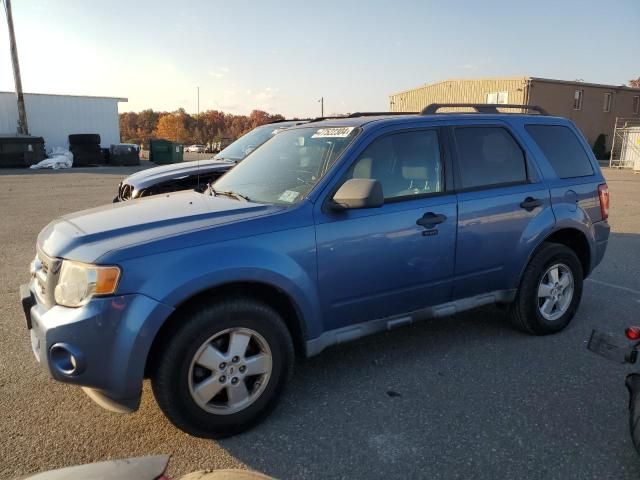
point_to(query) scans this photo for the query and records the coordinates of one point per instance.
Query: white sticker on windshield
(289, 196)
(334, 132)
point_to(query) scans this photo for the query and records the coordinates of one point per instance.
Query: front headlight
(78, 282)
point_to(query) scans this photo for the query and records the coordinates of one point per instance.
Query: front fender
(285, 260)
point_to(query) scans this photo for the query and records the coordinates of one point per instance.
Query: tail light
(632, 333)
(603, 194)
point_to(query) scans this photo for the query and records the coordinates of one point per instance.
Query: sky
(282, 56)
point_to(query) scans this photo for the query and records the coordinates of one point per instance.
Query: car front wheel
(224, 368)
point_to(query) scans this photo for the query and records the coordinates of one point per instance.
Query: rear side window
(563, 150)
(489, 156)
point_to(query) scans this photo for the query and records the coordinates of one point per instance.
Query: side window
(563, 150)
(489, 156)
(405, 164)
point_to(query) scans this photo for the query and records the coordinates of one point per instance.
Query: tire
(526, 311)
(633, 385)
(85, 148)
(84, 138)
(175, 378)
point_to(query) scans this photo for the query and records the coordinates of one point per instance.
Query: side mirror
(358, 193)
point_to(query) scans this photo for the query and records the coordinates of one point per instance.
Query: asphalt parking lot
(462, 397)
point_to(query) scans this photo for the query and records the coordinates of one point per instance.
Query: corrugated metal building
(593, 107)
(55, 117)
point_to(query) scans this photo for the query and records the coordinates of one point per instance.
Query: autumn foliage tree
(172, 126)
(635, 83)
(179, 126)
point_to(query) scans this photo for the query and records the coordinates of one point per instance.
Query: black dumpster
(124, 154)
(20, 150)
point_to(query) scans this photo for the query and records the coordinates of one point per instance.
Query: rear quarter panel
(574, 200)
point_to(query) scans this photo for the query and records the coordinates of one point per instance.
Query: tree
(128, 126)
(179, 126)
(171, 126)
(600, 147)
(147, 123)
(635, 83)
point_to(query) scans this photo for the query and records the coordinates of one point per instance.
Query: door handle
(530, 203)
(430, 219)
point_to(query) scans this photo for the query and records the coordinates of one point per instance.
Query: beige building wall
(557, 98)
(458, 91)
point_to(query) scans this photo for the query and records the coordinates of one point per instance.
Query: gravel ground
(472, 398)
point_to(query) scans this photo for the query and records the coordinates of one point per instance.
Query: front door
(379, 262)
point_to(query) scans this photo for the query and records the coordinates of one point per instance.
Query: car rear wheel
(550, 291)
(224, 368)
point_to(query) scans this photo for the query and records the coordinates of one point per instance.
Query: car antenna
(198, 170)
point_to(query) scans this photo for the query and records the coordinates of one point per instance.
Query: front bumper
(109, 340)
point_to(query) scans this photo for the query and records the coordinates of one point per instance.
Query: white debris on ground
(58, 158)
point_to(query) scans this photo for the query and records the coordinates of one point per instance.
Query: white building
(55, 117)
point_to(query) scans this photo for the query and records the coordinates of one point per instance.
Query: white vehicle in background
(196, 148)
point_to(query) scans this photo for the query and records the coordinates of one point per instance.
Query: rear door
(503, 207)
(379, 262)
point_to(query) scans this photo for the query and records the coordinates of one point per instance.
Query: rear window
(563, 150)
(489, 156)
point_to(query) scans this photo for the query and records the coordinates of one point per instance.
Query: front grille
(46, 270)
(126, 191)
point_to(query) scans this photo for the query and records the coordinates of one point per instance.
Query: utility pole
(198, 117)
(23, 127)
(321, 107)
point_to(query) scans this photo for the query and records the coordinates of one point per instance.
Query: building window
(498, 97)
(607, 103)
(577, 99)
(636, 104)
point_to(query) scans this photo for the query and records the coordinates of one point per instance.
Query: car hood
(152, 176)
(89, 234)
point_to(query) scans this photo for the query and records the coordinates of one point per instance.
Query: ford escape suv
(330, 231)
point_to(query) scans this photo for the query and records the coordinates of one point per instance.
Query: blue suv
(332, 230)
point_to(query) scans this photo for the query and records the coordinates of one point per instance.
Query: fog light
(66, 360)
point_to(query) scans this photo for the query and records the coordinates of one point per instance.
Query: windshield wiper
(227, 193)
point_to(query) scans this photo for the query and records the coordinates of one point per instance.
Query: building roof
(118, 99)
(524, 79)
(586, 84)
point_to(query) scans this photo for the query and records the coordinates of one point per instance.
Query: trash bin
(124, 154)
(20, 150)
(164, 151)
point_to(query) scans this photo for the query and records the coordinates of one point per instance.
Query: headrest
(363, 168)
(414, 169)
(415, 173)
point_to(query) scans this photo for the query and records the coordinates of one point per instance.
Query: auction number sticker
(334, 132)
(289, 196)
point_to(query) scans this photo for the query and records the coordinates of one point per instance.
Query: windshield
(249, 142)
(286, 168)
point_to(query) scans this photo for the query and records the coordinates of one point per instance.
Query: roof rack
(481, 107)
(378, 114)
(319, 119)
(362, 114)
